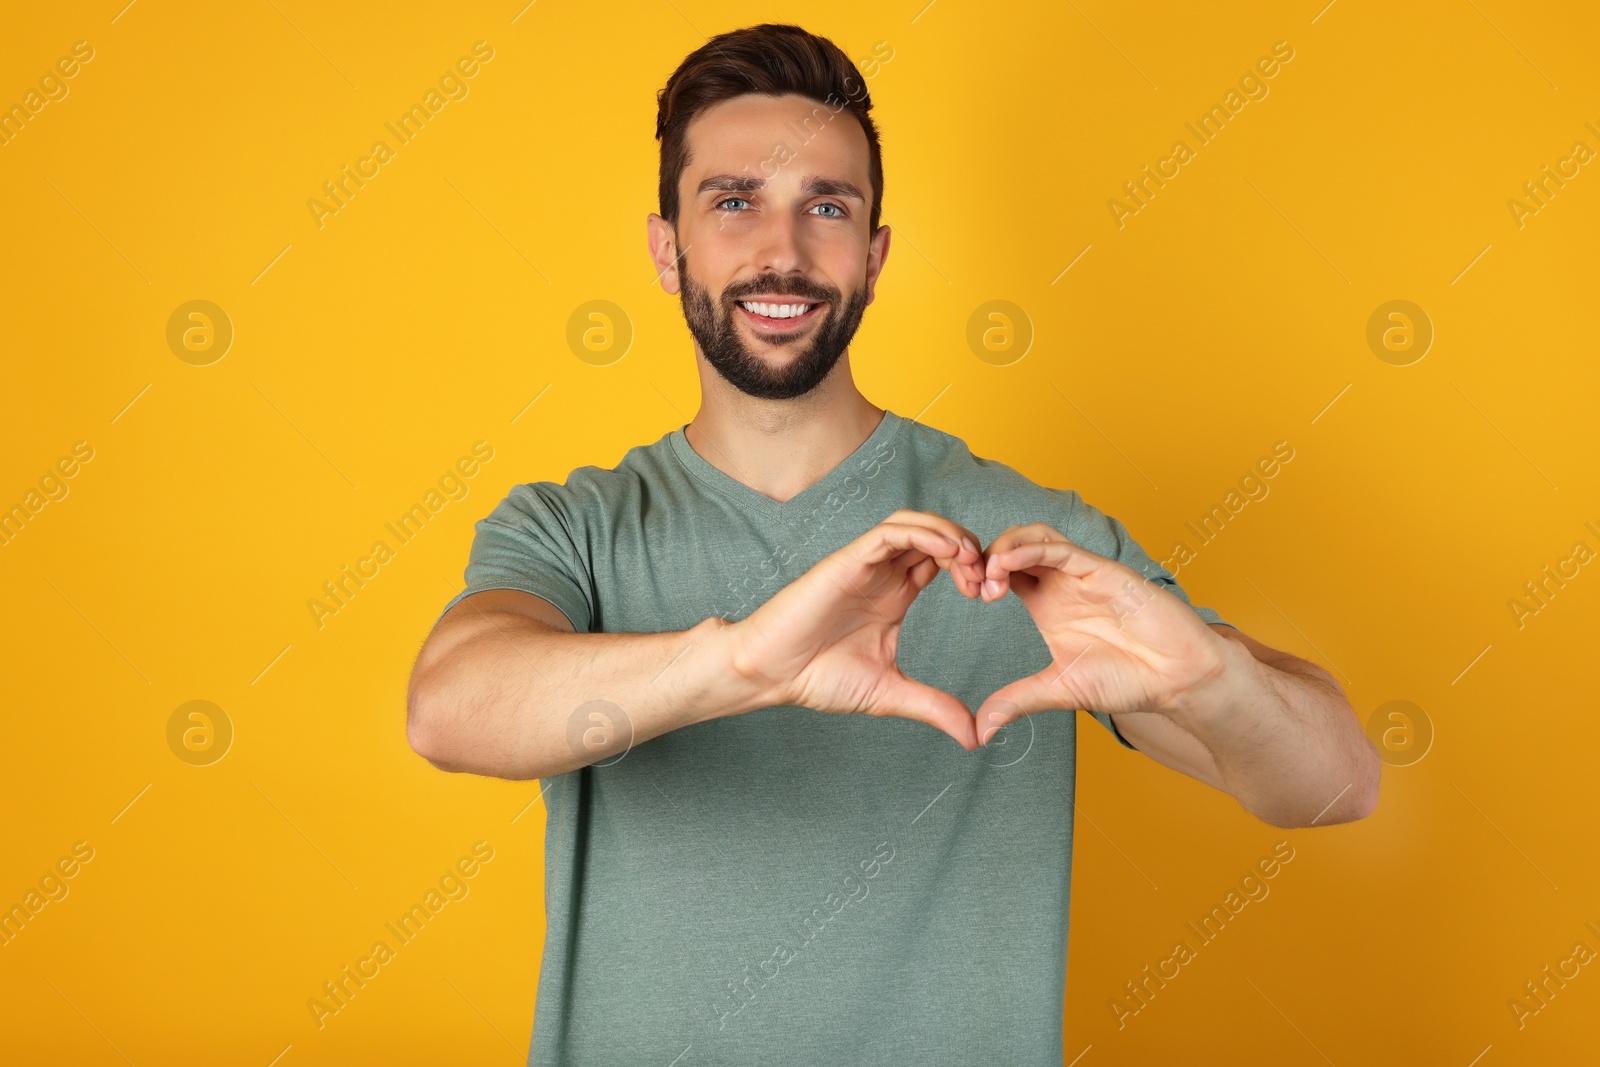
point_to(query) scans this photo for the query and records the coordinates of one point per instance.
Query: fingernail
(991, 586)
(968, 542)
(996, 723)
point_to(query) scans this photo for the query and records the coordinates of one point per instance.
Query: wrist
(737, 683)
(1227, 679)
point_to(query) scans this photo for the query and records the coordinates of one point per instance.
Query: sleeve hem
(1110, 723)
(525, 587)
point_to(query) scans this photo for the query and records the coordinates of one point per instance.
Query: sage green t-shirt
(788, 886)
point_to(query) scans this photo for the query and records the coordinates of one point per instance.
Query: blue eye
(840, 211)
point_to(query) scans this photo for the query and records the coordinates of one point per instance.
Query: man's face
(773, 210)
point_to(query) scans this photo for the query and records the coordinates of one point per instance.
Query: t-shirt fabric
(789, 886)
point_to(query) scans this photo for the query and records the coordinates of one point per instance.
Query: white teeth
(776, 311)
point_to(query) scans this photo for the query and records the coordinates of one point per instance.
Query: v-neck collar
(761, 504)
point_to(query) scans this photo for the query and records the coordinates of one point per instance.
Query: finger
(1064, 556)
(1026, 696)
(892, 541)
(908, 559)
(994, 582)
(923, 572)
(911, 699)
(953, 530)
(887, 540)
(1005, 580)
(1011, 538)
(966, 570)
(961, 572)
(967, 576)
(963, 559)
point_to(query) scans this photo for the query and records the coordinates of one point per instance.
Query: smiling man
(724, 655)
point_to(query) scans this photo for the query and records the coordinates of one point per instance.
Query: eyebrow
(812, 185)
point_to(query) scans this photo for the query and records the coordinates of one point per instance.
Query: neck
(780, 448)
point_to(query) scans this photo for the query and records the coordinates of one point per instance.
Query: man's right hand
(827, 640)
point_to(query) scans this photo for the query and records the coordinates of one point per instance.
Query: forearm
(1286, 742)
(507, 700)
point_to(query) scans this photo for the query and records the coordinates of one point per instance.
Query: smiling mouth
(788, 317)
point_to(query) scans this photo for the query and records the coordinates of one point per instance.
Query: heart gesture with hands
(1118, 641)
(827, 640)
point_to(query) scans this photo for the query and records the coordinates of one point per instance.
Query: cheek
(714, 259)
(839, 260)
(840, 253)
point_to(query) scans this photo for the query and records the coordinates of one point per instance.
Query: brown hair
(769, 59)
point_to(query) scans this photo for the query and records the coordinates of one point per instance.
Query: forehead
(778, 138)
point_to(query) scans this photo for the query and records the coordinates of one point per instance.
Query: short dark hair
(770, 59)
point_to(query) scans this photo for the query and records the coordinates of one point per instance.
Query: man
(723, 656)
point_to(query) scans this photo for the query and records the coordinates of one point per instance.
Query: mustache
(781, 287)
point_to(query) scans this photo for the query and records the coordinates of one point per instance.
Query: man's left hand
(1119, 641)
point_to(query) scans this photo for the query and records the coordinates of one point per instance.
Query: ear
(662, 239)
(877, 256)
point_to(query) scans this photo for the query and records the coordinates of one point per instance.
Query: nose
(780, 246)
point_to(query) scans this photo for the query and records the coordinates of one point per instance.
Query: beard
(711, 323)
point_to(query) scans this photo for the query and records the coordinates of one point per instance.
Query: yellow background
(372, 352)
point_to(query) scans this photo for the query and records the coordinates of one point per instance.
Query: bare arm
(1292, 751)
(1286, 742)
(504, 687)
(1273, 730)
(500, 685)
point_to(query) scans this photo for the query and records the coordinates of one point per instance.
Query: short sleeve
(1100, 533)
(528, 542)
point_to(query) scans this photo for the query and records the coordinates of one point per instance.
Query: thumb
(910, 699)
(1022, 697)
